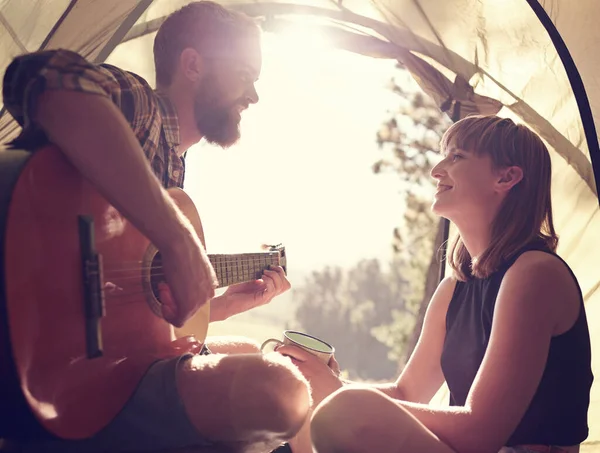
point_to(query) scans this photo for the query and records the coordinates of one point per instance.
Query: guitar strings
(237, 276)
(107, 268)
(124, 293)
(229, 259)
(137, 277)
(120, 274)
(134, 269)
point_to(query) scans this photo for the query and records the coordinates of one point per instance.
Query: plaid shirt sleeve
(30, 75)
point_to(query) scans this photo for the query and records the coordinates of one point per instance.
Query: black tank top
(557, 414)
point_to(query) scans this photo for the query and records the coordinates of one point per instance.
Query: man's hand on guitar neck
(240, 297)
(246, 296)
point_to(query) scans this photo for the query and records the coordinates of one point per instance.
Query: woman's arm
(422, 377)
(535, 295)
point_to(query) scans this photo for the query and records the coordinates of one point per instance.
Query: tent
(533, 61)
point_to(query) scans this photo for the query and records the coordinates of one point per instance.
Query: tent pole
(444, 248)
(49, 36)
(58, 23)
(123, 29)
(583, 103)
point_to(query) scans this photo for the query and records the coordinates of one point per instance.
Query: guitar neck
(243, 267)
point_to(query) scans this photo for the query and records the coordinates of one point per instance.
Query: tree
(346, 307)
(409, 141)
(373, 315)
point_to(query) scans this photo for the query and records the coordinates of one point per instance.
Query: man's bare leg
(249, 402)
(302, 442)
(232, 344)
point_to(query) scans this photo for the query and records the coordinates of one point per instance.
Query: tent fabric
(533, 61)
(84, 26)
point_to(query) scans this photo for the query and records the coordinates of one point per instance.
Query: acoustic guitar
(79, 297)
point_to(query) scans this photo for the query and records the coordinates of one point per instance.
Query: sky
(301, 173)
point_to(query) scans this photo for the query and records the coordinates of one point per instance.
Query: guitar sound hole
(157, 275)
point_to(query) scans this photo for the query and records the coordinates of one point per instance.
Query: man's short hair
(201, 25)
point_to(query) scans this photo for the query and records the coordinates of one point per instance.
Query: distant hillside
(266, 321)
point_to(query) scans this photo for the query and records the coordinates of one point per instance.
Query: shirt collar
(170, 123)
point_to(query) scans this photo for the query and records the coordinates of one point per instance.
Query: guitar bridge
(93, 295)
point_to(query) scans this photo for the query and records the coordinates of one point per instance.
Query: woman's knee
(337, 420)
(347, 417)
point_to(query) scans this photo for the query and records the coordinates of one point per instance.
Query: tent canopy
(533, 61)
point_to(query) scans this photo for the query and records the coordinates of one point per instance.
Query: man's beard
(219, 124)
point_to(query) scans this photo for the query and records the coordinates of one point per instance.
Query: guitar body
(71, 394)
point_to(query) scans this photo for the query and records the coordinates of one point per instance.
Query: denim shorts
(153, 419)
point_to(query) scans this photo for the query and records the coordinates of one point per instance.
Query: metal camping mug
(314, 345)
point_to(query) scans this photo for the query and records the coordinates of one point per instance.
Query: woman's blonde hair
(526, 213)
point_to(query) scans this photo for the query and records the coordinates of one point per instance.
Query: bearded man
(129, 141)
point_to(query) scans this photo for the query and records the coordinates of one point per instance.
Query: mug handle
(270, 340)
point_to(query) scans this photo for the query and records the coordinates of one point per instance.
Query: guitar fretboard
(243, 267)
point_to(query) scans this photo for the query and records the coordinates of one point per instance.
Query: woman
(507, 330)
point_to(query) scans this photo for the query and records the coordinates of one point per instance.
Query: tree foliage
(409, 142)
(371, 314)
(344, 307)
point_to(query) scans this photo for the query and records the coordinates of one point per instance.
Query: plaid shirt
(150, 114)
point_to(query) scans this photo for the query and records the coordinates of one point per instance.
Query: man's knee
(285, 390)
(240, 397)
(232, 345)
